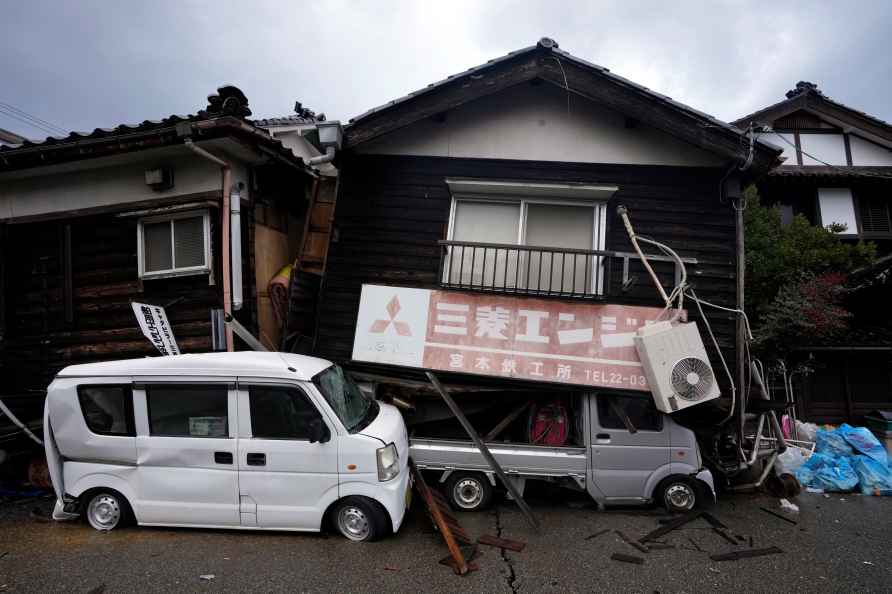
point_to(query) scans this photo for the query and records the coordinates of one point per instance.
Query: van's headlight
(388, 462)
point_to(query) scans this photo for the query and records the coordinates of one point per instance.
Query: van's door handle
(602, 436)
(256, 459)
(223, 457)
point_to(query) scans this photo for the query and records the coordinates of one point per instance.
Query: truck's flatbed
(516, 459)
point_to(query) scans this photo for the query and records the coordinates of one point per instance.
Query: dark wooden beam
(487, 455)
(449, 96)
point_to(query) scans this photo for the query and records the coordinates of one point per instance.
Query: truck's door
(186, 443)
(623, 460)
(284, 480)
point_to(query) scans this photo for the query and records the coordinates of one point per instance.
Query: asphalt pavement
(839, 543)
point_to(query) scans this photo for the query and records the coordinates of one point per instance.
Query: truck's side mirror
(318, 432)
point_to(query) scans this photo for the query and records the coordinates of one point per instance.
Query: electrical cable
(715, 343)
(34, 121)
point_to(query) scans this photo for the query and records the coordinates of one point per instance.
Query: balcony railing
(535, 270)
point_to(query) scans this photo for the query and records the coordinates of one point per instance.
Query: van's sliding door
(186, 446)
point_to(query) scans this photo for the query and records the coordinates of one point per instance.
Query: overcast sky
(86, 64)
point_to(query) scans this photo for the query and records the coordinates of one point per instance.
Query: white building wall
(119, 184)
(865, 152)
(530, 122)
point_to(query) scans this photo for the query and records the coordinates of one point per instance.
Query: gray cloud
(95, 63)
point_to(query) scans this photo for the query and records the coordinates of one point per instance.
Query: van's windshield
(355, 410)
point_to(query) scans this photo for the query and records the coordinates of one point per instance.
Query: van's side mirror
(318, 432)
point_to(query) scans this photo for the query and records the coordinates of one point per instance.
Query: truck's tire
(678, 494)
(469, 491)
(360, 519)
(106, 509)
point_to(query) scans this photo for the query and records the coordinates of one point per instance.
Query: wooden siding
(391, 211)
(39, 341)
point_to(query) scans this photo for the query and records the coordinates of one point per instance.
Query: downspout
(226, 171)
(328, 157)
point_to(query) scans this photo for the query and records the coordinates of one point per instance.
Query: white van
(249, 440)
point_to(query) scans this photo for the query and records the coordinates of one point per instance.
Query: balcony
(540, 271)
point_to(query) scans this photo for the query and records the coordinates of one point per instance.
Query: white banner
(153, 321)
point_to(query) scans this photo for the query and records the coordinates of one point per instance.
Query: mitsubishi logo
(393, 308)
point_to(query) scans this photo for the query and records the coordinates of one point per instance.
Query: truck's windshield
(344, 396)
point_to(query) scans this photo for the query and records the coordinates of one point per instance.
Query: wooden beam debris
(487, 455)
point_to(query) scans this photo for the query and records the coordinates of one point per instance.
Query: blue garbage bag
(863, 440)
(874, 478)
(830, 473)
(832, 443)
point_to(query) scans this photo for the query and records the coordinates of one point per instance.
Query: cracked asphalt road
(841, 543)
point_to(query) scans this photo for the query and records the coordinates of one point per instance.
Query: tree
(796, 277)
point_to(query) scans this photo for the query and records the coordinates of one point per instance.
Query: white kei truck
(245, 440)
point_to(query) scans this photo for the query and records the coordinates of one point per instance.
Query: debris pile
(847, 458)
(652, 540)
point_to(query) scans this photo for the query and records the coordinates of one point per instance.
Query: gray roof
(551, 45)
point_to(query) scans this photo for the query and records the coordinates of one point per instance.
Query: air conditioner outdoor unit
(676, 365)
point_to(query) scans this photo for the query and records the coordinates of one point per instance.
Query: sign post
(153, 322)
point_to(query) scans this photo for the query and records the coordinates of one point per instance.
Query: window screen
(188, 411)
(188, 239)
(280, 413)
(157, 246)
(641, 412)
(108, 410)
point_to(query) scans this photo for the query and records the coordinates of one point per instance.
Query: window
(174, 245)
(188, 411)
(280, 413)
(563, 221)
(108, 410)
(640, 411)
(836, 206)
(875, 217)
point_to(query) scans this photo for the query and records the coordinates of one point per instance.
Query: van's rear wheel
(469, 491)
(678, 494)
(360, 520)
(106, 510)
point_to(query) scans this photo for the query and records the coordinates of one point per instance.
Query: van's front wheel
(678, 494)
(106, 510)
(360, 520)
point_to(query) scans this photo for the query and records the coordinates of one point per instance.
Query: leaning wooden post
(527, 512)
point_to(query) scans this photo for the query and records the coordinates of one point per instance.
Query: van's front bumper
(395, 497)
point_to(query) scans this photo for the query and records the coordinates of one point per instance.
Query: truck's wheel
(469, 491)
(678, 494)
(106, 509)
(360, 520)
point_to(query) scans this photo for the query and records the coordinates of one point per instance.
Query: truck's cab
(267, 441)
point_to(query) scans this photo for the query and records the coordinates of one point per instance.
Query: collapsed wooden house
(92, 222)
(490, 197)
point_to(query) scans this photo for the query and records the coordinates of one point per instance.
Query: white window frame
(524, 194)
(175, 271)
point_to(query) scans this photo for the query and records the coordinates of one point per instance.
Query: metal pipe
(226, 171)
(328, 157)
